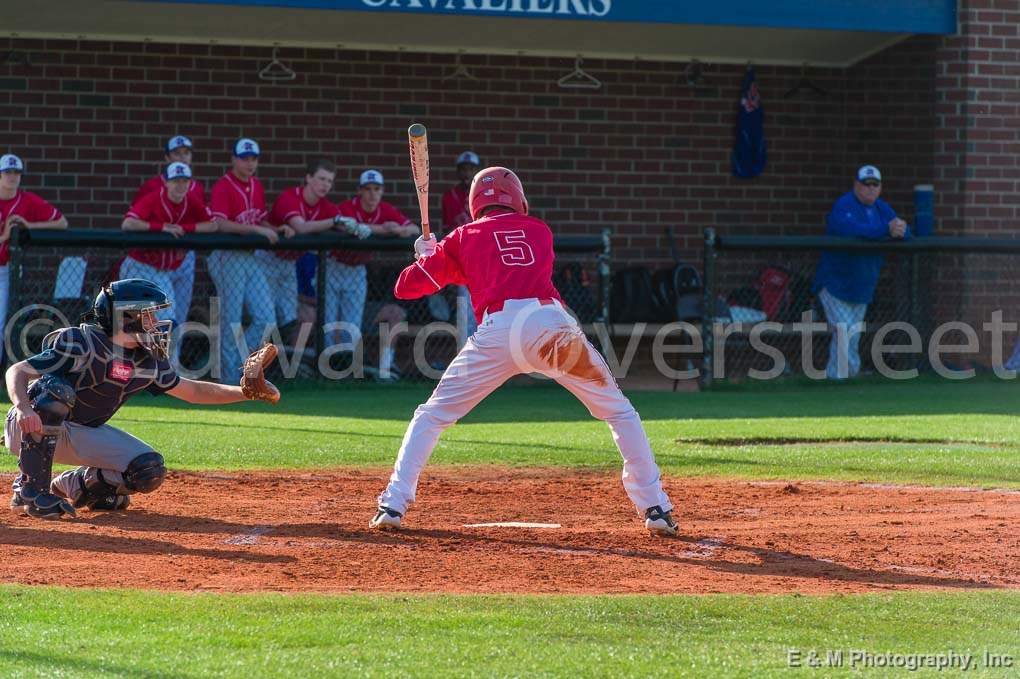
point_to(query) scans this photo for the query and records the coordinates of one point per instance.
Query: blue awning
(830, 33)
(883, 16)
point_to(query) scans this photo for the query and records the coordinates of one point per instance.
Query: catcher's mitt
(254, 385)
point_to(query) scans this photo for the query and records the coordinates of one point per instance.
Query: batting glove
(347, 223)
(362, 231)
(424, 248)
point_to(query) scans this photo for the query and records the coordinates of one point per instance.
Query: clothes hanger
(807, 85)
(276, 70)
(579, 79)
(15, 57)
(694, 74)
(460, 71)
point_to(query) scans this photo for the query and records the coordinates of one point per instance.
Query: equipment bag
(634, 299)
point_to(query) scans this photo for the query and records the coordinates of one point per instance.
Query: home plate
(512, 524)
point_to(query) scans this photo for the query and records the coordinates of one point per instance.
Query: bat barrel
(416, 130)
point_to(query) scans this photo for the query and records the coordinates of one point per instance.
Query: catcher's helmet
(130, 305)
(496, 186)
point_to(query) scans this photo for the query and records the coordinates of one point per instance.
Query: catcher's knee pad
(52, 400)
(145, 473)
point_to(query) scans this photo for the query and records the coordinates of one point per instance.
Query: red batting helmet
(496, 186)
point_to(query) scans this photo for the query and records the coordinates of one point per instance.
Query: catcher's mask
(130, 306)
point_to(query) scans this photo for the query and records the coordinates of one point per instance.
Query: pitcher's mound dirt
(308, 532)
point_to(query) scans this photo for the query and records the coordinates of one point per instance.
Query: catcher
(64, 396)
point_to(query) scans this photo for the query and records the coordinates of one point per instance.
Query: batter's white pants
(183, 280)
(240, 283)
(281, 275)
(527, 337)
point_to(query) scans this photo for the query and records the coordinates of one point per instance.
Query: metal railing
(54, 276)
(926, 283)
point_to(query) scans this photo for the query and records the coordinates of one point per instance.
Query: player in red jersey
(178, 149)
(346, 278)
(18, 208)
(303, 209)
(457, 213)
(505, 258)
(175, 209)
(238, 205)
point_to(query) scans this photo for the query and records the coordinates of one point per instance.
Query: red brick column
(977, 157)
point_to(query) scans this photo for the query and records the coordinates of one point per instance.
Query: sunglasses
(872, 184)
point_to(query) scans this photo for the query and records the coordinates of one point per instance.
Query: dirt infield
(308, 532)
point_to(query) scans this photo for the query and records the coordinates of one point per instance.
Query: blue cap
(11, 163)
(370, 177)
(869, 173)
(180, 141)
(469, 157)
(246, 148)
(177, 171)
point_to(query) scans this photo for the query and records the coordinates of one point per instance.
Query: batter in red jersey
(178, 149)
(505, 258)
(175, 209)
(18, 208)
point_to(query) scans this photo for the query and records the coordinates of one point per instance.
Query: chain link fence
(326, 300)
(948, 305)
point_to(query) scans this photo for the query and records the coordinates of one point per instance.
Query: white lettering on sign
(596, 8)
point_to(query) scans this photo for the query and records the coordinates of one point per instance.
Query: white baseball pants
(240, 283)
(183, 280)
(846, 322)
(5, 290)
(281, 275)
(346, 288)
(526, 337)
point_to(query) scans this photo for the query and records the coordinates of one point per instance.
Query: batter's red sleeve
(429, 275)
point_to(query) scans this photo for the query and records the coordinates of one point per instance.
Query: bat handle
(426, 232)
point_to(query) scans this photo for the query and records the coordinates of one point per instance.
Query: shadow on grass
(550, 403)
(359, 434)
(982, 478)
(53, 664)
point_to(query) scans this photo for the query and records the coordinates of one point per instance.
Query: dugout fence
(944, 304)
(344, 313)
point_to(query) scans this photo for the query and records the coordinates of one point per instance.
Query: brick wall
(977, 155)
(646, 151)
(978, 109)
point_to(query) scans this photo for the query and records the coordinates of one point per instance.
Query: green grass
(924, 431)
(46, 632)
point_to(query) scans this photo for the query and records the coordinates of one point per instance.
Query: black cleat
(386, 519)
(660, 523)
(46, 505)
(18, 503)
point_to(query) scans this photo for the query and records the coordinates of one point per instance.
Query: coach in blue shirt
(845, 282)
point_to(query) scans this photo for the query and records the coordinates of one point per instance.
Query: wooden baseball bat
(417, 139)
